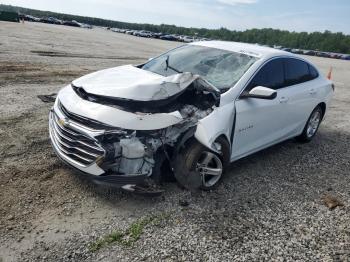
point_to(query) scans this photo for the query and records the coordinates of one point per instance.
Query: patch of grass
(116, 236)
(128, 237)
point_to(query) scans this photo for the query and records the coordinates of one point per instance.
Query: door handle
(284, 99)
(312, 91)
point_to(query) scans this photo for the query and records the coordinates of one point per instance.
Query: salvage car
(194, 109)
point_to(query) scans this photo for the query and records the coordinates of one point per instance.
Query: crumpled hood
(129, 82)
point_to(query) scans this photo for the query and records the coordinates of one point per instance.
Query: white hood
(130, 82)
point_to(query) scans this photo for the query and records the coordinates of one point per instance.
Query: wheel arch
(323, 107)
(189, 135)
(225, 152)
(224, 136)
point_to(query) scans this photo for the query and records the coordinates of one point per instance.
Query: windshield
(219, 67)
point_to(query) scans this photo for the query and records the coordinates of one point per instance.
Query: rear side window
(271, 75)
(297, 71)
(313, 72)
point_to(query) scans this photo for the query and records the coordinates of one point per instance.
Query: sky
(296, 15)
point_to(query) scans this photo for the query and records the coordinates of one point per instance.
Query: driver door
(261, 122)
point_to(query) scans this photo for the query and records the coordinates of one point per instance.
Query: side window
(271, 75)
(297, 71)
(313, 72)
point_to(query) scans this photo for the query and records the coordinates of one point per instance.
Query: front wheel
(199, 167)
(311, 126)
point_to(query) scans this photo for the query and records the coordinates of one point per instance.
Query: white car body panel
(130, 82)
(261, 123)
(262, 91)
(215, 124)
(116, 117)
(249, 124)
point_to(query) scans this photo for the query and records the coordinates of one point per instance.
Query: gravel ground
(270, 206)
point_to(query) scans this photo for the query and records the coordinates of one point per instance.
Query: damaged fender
(206, 134)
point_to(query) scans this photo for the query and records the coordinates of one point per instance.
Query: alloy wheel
(210, 167)
(313, 124)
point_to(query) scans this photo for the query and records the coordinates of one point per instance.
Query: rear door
(301, 92)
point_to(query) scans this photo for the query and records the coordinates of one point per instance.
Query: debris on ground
(48, 98)
(183, 203)
(331, 202)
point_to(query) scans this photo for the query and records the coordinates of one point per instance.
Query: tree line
(323, 41)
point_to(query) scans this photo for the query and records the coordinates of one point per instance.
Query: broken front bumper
(76, 146)
(77, 153)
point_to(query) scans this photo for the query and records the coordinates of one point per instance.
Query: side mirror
(262, 93)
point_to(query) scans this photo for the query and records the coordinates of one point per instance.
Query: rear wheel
(199, 167)
(311, 126)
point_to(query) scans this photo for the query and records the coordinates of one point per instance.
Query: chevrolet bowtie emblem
(62, 122)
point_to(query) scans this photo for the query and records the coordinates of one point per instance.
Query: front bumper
(116, 181)
(76, 147)
(62, 152)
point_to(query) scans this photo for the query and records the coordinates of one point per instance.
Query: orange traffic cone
(329, 75)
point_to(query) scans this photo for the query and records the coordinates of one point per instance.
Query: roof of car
(249, 49)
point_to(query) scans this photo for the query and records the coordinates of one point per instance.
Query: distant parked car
(188, 39)
(45, 20)
(145, 33)
(345, 57)
(286, 49)
(297, 51)
(337, 56)
(178, 37)
(118, 30)
(309, 52)
(85, 26)
(157, 35)
(51, 20)
(168, 37)
(31, 18)
(72, 23)
(322, 54)
(114, 30)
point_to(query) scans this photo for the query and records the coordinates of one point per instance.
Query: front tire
(197, 167)
(311, 126)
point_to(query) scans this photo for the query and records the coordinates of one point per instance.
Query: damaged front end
(121, 140)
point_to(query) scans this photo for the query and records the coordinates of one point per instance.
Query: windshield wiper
(169, 66)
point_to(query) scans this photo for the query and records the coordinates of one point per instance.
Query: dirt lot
(269, 206)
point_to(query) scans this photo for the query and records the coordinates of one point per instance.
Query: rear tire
(197, 167)
(311, 126)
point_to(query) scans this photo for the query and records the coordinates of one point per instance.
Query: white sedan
(190, 111)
